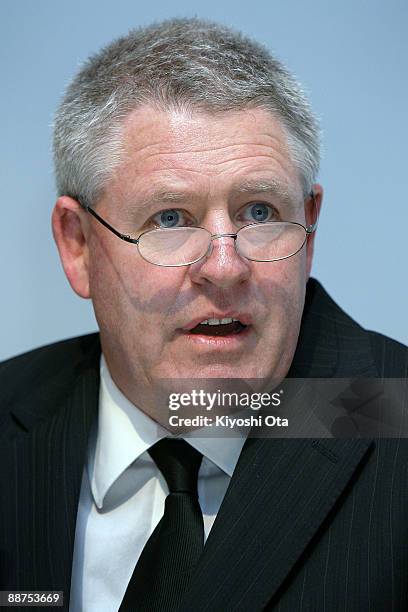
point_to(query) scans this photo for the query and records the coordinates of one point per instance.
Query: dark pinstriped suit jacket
(304, 526)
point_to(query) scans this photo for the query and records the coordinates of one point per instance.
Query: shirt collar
(125, 432)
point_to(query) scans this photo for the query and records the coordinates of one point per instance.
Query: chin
(223, 370)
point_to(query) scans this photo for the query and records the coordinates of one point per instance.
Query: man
(186, 161)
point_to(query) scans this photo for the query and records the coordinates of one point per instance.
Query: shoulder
(390, 356)
(49, 357)
(345, 347)
(47, 368)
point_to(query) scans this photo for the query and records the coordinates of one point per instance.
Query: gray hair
(179, 63)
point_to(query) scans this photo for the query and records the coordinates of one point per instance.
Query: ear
(312, 215)
(71, 232)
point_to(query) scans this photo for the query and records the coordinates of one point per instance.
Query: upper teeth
(217, 321)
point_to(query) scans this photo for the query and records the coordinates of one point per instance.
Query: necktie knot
(179, 463)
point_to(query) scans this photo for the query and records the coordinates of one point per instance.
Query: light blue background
(352, 57)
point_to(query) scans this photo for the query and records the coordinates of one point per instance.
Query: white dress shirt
(122, 496)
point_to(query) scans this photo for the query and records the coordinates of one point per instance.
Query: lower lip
(231, 341)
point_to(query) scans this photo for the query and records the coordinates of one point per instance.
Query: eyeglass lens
(186, 245)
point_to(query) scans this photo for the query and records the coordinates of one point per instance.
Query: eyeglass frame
(127, 238)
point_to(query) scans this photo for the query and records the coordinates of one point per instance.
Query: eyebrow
(163, 196)
(268, 187)
(250, 186)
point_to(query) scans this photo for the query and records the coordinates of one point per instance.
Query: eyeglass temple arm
(124, 237)
(311, 228)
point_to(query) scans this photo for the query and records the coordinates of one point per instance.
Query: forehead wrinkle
(211, 150)
(173, 142)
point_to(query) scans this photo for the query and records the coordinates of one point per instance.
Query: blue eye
(259, 212)
(169, 218)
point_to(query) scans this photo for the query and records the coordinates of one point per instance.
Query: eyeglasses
(183, 246)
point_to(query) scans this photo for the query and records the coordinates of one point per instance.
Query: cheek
(281, 288)
(156, 293)
(129, 292)
(284, 296)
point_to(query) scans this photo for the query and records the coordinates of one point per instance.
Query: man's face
(206, 170)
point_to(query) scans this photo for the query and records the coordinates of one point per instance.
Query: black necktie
(167, 562)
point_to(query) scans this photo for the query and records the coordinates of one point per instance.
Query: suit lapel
(48, 463)
(281, 492)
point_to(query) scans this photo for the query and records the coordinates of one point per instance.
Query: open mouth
(218, 327)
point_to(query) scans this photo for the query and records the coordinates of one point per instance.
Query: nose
(223, 266)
